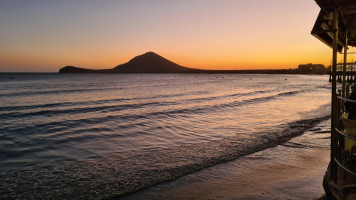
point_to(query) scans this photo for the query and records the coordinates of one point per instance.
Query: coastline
(287, 171)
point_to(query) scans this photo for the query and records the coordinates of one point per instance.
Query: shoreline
(287, 171)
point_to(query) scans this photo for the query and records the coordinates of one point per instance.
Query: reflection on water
(130, 127)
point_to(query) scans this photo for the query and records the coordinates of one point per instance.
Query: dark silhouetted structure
(335, 26)
(312, 69)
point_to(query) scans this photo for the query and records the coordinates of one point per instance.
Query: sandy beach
(293, 170)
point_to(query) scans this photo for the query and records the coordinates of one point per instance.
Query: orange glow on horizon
(224, 35)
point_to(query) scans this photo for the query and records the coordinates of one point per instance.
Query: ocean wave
(117, 175)
(106, 143)
(51, 92)
(110, 101)
(127, 106)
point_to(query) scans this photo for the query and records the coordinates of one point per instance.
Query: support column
(333, 96)
(344, 67)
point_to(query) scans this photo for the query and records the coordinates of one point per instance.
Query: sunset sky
(45, 35)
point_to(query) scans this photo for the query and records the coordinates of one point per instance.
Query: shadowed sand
(287, 171)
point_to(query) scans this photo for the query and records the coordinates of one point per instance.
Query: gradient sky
(45, 35)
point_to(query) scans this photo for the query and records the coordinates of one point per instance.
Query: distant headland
(151, 62)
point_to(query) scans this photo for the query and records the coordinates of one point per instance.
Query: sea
(100, 136)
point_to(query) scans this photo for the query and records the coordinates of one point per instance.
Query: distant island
(151, 62)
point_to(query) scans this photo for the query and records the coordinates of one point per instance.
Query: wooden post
(344, 67)
(333, 96)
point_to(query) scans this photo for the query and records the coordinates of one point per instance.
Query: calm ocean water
(101, 135)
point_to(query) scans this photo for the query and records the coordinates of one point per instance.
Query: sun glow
(199, 34)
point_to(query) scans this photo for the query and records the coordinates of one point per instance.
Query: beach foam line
(283, 172)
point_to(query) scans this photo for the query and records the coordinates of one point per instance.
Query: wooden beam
(333, 98)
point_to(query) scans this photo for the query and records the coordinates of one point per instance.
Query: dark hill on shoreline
(149, 62)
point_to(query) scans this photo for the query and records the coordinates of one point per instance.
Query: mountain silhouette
(149, 62)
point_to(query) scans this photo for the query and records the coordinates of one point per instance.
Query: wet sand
(293, 170)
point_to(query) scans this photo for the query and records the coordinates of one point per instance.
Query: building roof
(323, 26)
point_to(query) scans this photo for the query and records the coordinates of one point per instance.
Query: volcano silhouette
(149, 62)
